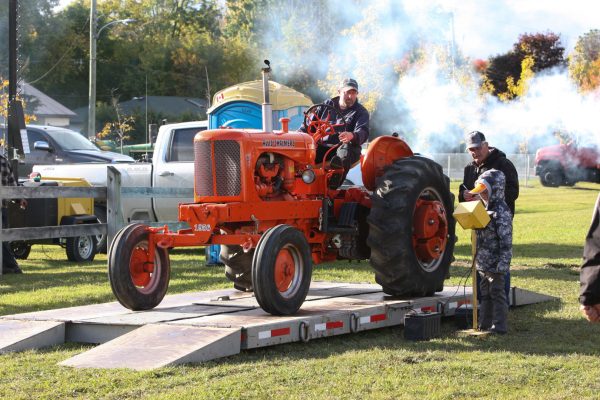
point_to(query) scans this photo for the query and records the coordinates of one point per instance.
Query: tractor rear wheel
(281, 270)
(411, 228)
(238, 266)
(137, 284)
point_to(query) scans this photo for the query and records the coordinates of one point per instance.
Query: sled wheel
(81, 248)
(411, 228)
(238, 266)
(20, 249)
(137, 284)
(281, 270)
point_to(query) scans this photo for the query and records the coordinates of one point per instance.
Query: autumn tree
(584, 62)
(543, 50)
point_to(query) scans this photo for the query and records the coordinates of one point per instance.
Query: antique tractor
(261, 196)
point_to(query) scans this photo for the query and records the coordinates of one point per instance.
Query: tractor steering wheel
(320, 128)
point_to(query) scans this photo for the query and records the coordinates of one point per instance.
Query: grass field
(550, 351)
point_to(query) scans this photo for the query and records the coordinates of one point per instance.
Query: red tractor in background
(260, 195)
(567, 164)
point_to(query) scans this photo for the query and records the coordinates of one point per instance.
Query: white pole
(92, 83)
(527, 173)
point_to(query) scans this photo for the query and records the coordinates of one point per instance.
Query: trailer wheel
(238, 266)
(281, 270)
(411, 228)
(81, 248)
(20, 249)
(100, 212)
(135, 283)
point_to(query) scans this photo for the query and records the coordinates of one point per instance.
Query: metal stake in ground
(472, 215)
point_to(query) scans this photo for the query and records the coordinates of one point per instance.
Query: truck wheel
(20, 249)
(552, 176)
(135, 283)
(281, 270)
(238, 266)
(100, 212)
(411, 228)
(81, 248)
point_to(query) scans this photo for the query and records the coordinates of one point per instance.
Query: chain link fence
(454, 165)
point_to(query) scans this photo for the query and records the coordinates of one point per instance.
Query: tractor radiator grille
(225, 167)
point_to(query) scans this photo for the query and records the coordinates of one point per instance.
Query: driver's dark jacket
(357, 122)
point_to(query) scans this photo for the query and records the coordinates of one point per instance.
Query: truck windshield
(70, 140)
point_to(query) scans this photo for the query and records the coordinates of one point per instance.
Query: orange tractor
(261, 196)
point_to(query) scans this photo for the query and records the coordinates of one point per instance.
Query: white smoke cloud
(430, 107)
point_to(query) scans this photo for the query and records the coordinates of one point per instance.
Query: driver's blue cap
(348, 84)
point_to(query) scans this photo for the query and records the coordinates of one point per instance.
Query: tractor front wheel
(137, 283)
(411, 228)
(281, 270)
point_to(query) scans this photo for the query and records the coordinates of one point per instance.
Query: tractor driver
(356, 118)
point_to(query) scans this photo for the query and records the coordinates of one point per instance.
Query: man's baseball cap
(474, 139)
(348, 84)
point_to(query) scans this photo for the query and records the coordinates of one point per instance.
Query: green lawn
(550, 351)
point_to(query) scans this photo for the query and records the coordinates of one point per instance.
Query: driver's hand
(346, 137)
(468, 196)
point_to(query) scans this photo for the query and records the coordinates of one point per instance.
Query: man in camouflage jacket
(494, 251)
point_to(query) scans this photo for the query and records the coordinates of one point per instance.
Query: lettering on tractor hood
(278, 143)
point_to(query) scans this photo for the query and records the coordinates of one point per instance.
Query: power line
(61, 58)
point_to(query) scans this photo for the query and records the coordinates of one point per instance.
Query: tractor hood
(554, 152)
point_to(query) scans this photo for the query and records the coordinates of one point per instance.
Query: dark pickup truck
(53, 145)
(567, 164)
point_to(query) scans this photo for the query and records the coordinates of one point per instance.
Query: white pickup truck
(172, 166)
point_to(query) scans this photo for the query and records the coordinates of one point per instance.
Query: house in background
(46, 110)
(171, 108)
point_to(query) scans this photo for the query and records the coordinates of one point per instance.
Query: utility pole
(92, 89)
(16, 118)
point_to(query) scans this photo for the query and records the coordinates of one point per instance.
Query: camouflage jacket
(494, 242)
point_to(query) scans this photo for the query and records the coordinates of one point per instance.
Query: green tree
(584, 62)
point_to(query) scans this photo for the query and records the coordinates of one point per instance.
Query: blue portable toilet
(240, 106)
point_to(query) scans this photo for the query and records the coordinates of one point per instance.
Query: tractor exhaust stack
(267, 109)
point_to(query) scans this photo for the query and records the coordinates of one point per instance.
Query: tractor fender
(78, 219)
(382, 151)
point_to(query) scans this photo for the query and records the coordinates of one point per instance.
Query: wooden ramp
(201, 326)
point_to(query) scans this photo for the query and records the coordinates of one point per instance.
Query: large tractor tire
(136, 283)
(81, 248)
(281, 270)
(411, 228)
(238, 266)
